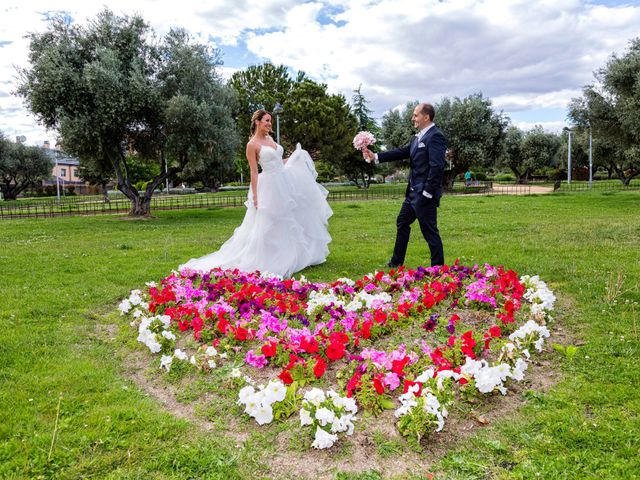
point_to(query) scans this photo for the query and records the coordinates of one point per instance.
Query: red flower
(223, 324)
(309, 345)
(270, 349)
(380, 316)
(495, 331)
(335, 351)
(366, 329)
(377, 384)
(286, 377)
(197, 324)
(340, 337)
(397, 366)
(409, 383)
(320, 367)
(241, 334)
(353, 384)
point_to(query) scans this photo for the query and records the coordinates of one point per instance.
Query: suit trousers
(428, 220)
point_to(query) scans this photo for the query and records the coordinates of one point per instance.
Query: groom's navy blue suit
(427, 156)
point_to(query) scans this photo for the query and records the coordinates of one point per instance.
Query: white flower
(212, 364)
(315, 396)
(168, 334)
(124, 306)
(151, 284)
(180, 354)
(471, 367)
(305, 417)
(343, 424)
(426, 375)
(165, 362)
(135, 298)
(443, 375)
(323, 439)
(324, 416)
(137, 313)
(211, 351)
(245, 394)
(235, 373)
(192, 360)
(350, 405)
(276, 391)
(263, 414)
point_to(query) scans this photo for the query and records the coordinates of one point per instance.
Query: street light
(57, 180)
(277, 109)
(568, 130)
(590, 158)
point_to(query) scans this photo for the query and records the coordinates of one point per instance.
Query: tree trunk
(9, 194)
(140, 207)
(105, 194)
(524, 178)
(448, 179)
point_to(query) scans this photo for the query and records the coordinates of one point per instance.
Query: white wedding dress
(288, 230)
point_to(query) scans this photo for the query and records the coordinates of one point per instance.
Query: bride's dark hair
(256, 117)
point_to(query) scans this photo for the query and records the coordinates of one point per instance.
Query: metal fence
(93, 206)
(597, 185)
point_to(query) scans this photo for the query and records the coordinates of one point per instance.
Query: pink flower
(392, 381)
(363, 140)
(258, 361)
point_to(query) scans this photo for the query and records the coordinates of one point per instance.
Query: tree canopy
(110, 89)
(21, 166)
(610, 108)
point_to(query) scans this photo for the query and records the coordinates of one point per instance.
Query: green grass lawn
(61, 277)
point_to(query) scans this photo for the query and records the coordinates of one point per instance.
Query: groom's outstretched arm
(400, 153)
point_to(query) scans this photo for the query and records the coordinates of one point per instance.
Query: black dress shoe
(392, 264)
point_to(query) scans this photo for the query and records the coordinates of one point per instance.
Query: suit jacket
(426, 155)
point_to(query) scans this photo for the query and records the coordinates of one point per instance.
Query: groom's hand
(367, 154)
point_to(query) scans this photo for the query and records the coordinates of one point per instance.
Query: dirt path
(501, 189)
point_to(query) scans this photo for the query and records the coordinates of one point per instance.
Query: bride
(285, 227)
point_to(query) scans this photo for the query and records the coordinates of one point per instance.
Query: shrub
(505, 177)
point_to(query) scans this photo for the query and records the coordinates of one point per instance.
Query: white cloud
(525, 55)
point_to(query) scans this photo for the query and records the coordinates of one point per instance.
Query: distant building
(64, 168)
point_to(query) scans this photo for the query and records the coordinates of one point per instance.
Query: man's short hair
(427, 109)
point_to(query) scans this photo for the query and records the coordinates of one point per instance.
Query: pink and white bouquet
(363, 139)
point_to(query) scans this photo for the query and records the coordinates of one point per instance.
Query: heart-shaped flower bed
(411, 340)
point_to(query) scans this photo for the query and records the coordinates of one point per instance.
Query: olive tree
(111, 89)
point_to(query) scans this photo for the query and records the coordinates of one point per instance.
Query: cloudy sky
(530, 57)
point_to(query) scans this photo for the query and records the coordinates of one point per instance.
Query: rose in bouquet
(363, 139)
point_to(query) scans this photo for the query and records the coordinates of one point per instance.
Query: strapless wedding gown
(288, 231)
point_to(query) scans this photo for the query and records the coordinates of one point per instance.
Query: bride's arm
(252, 158)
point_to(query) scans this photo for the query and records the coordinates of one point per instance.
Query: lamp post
(568, 130)
(57, 180)
(277, 109)
(590, 159)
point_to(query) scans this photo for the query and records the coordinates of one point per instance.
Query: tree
(397, 127)
(20, 167)
(475, 133)
(322, 123)
(259, 86)
(538, 149)
(96, 173)
(610, 107)
(110, 91)
(397, 130)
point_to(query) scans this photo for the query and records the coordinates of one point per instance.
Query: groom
(426, 152)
